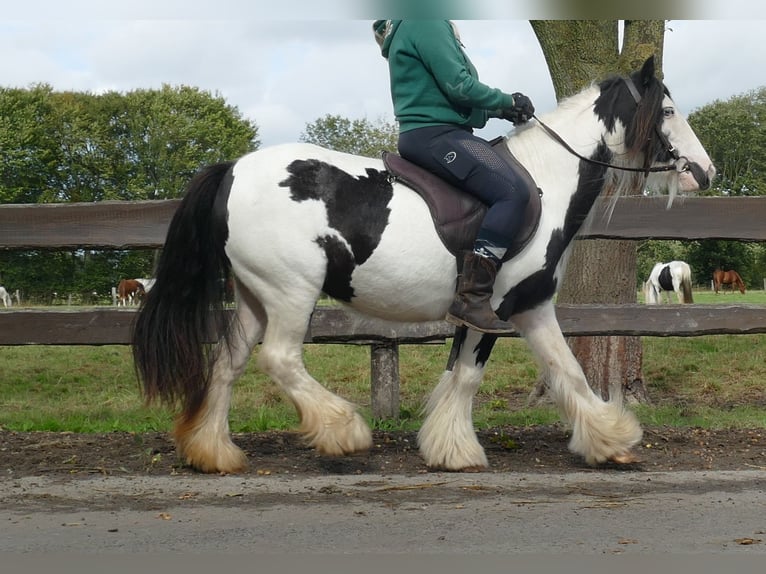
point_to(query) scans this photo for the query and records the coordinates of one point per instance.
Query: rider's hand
(522, 110)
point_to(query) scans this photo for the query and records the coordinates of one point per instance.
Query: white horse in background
(147, 283)
(6, 297)
(293, 221)
(673, 276)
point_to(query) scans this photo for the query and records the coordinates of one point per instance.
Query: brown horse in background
(130, 292)
(729, 277)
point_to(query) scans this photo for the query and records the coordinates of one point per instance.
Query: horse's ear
(647, 71)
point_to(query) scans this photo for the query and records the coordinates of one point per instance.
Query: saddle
(457, 215)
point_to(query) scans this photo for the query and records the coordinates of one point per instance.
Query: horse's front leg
(601, 430)
(447, 439)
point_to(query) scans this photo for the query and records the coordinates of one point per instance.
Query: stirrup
(460, 322)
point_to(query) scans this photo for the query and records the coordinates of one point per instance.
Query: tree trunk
(600, 271)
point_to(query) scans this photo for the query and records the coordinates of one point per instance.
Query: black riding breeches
(469, 163)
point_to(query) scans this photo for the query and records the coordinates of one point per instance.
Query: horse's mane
(640, 138)
(616, 102)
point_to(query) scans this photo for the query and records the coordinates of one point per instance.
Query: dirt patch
(539, 449)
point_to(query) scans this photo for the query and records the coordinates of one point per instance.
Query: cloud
(284, 74)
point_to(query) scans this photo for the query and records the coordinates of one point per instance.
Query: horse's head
(657, 135)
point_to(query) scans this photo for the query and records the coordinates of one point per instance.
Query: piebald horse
(295, 220)
(673, 276)
(5, 297)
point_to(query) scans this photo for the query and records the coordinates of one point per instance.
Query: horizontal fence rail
(112, 326)
(143, 224)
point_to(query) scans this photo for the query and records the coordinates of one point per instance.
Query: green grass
(712, 381)
(728, 297)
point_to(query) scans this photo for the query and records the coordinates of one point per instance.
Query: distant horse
(130, 292)
(147, 283)
(729, 277)
(673, 276)
(6, 297)
(295, 220)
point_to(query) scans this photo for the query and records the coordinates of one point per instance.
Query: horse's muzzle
(695, 178)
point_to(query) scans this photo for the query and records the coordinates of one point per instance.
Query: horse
(5, 297)
(673, 276)
(293, 221)
(130, 292)
(729, 277)
(147, 283)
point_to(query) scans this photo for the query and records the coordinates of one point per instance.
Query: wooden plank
(108, 224)
(111, 326)
(87, 326)
(661, 320)
(738, 218)
(143, 224)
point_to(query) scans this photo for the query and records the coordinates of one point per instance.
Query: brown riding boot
(471, 306)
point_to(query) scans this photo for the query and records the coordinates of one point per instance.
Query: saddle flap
(446, 202)
(457, 215)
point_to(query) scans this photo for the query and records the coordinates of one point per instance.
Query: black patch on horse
(615, 103)
(541, 285)
(665, 279)
(340, 266)
(357, 207)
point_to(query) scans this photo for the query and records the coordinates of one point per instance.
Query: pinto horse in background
(673, 276)
(295, 220)
(730, 277)
(130, 292)
(5, 297)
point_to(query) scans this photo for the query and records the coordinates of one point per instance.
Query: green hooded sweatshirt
(432, 80)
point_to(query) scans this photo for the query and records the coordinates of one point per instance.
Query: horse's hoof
(624, 458)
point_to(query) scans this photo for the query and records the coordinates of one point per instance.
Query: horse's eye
(668, 112)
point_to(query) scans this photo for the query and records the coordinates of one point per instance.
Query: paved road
(589, 513)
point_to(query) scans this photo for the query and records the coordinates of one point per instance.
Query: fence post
(384, 380)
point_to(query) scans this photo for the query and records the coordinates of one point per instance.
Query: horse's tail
(650, 293)
(184, 310)
(686, 284)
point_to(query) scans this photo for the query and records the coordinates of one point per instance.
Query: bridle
(680, 164)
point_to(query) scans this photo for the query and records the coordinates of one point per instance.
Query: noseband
(681, 164)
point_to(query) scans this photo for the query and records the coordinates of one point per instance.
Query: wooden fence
(143, 224)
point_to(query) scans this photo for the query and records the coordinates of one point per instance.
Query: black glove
(522, 110)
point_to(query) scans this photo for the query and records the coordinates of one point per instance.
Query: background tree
(27, 146)
(734, 134)
(707, 255)
(73, 146)
(360, 137)
(578, 52)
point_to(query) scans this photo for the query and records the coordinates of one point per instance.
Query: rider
(438, 100)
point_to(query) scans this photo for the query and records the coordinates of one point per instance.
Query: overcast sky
(284, 73)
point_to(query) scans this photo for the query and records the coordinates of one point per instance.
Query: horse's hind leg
(330, 424)
(601, 430)
(203, 437)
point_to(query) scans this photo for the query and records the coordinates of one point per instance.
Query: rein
(678, 165)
